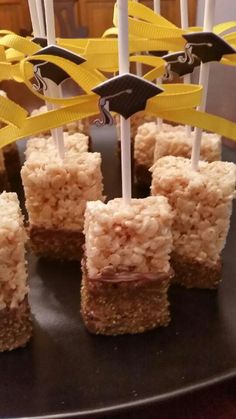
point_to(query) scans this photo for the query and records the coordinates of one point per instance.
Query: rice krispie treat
(4, 184)
(153, 142)
(202, 203)
(56, 193)
(126, 269)
(144, 145)
(76, 126)
(15, 318)
(177, 143)
(74, 143)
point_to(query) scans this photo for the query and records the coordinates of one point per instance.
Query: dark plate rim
(148, 401)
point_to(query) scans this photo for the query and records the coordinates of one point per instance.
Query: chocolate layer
(193, 274)
(56, 244)
(128, 302)
(15, 326)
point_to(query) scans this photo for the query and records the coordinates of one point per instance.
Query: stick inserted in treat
(123, 42)
(138, 65)
(157, 9)
(54, 90)
(184, 25)
(37, 19)
(157, 6)
(40, 17)
(203, 80)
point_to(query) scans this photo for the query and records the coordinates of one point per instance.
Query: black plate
(65, 371)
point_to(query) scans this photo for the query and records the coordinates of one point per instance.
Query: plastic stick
(36, 13)
(34, 17)
(157, 9)
(157, 6)
(123, 48)
(53, 89)
(203, 80)
(184, 25)
(138, 66)
(40, 14)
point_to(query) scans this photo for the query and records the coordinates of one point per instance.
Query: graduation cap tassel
(123, 49)
(203, 80)
(54, 90)
(184, 25)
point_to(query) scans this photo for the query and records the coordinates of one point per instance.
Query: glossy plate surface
(65, 371)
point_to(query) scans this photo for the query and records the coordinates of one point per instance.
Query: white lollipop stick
(36, 14)
(184, 25)
(53, 89)
(123, 50)
(157, 6)
(138, 65)
(34, 18)
(157, 9)
(203, 80)
(40, 15)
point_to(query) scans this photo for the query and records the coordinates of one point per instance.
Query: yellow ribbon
(20, 44)
(175, 104)
(159, 105)
(11, 113)
(82, 74)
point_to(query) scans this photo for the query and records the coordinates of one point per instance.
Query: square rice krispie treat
(177, 143)
(56, 193)
(74, 143)
(202, 203)
(126, 269)
(153, 142)
(144, 146)
(15, 318)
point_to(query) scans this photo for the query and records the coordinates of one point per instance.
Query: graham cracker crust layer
(15, 326)
(56, 244)
(193, 274)
(128, 303)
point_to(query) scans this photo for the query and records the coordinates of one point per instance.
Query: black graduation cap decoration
(44, 69)
(158, 53)
(207, 46)
(40, 41)
(125, 94)
(176, 63)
